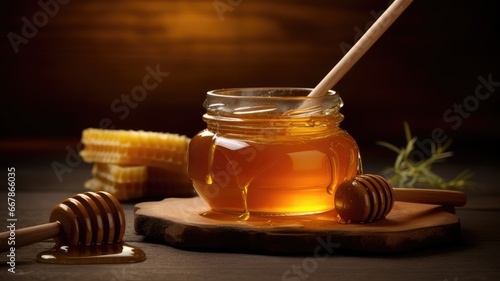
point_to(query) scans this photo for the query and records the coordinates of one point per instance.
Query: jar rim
(270, 93)
(280, 101)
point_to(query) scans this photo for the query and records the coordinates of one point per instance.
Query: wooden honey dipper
(89, 218)
(368, 198)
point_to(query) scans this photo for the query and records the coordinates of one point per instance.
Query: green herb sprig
(408, 173)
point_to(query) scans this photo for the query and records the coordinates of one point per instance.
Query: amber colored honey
(92, 254)
(271, 152)
(289, 177)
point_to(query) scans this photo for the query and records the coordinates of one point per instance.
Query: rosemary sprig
(408, 173)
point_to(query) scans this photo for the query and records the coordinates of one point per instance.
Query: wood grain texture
(180, 223)
(430, 196)
(29, 235)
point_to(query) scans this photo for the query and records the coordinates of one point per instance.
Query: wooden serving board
(188, 223)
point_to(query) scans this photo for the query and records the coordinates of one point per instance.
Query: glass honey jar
(271, 151)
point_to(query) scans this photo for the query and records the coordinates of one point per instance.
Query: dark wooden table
(475, 257)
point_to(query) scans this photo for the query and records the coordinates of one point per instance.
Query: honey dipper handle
(28, 235)
(430, 196)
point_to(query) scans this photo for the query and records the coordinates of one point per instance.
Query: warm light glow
(176, 25)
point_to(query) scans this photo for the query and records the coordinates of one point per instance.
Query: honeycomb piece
(135, 148)
(120, 174)
(125, 183)
(122, 191)
(139, 182)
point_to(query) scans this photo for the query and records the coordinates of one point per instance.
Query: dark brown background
(68, 75)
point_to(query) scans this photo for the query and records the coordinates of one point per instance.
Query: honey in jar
(271, 151)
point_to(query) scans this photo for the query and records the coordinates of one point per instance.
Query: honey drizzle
(211, 153)
(334, 163)
(92, 254)
(244, 193)
(245, 215)
(354, 165)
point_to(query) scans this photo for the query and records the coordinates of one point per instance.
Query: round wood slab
(188, 223)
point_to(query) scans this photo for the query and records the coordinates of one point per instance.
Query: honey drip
(92, 254)
(334, 162)
(353, 165)
(245, 215)
(244, 193)
(211, 152)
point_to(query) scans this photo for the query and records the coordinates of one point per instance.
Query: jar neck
(275, 127)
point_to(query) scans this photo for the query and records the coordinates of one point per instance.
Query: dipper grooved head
(363, 199)
(90, 218)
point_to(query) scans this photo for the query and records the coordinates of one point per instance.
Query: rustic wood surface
(188, 223)
(474, 257)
